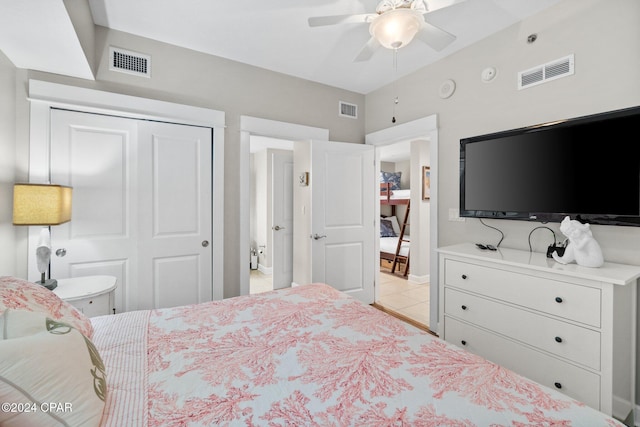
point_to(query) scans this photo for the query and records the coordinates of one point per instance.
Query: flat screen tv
(586, 167)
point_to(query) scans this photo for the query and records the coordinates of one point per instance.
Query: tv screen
(587, 168)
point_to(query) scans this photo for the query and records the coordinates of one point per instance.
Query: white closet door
(96, 155)
(174, 166)
(141, 197)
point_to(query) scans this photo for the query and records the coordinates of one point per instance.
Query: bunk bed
(394, 246)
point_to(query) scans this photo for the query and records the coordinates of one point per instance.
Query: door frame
(274, 129)
(45, 95)
(424, 128)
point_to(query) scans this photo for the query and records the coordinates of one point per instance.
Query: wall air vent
(544, 73)
(125, 61)
(347, 110)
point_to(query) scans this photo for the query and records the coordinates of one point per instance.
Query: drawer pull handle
(464, 307)
(91, 302)
(464, 276)
(558, 300)
(558, 339)
(463, 342)
(558, 385)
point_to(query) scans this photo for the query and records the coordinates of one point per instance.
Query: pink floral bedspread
(312, 356)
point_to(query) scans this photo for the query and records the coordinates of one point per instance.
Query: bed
(302, 356)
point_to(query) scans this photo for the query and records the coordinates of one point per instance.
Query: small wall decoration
(426, 183)
(303, 179)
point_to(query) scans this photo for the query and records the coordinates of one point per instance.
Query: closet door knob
(463, 342)
(464, 276)
(558, 385)
(464, 307)
(558, 300)
(558, 339)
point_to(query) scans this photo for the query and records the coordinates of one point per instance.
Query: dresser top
(618, 274)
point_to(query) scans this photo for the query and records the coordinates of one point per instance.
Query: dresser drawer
(572, 342)
(569, 379)
(564, 299)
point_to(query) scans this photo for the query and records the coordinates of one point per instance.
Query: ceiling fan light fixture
(396, 28)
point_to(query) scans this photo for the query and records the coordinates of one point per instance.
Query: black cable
(552, 232)
(501, 233)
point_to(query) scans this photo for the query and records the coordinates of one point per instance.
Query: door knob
(205, 243)
(277, 228)
(316, 237)
(61, 252)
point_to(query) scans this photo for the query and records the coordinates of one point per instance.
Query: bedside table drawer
(94, 306)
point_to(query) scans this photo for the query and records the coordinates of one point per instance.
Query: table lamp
(46, 205)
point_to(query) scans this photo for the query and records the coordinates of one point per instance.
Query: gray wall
(188, 77)
(605, 38)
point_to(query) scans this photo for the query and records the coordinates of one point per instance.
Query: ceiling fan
(394, 25)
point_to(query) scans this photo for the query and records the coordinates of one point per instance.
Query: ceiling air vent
(125, 61)
(544, 73)
(348, 110)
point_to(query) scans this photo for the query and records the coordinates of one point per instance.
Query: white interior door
(137, 194)
(174, 167)
(282, 228)
(342, 217)
(96, 155)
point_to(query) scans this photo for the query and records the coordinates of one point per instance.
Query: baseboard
(622, 409)
(420, 280)
(265, 270)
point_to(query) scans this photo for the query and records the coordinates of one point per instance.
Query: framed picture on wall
(426, 183)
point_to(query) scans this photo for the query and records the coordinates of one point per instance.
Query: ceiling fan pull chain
(395, 86)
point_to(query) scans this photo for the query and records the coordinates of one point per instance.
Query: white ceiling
(273, 34)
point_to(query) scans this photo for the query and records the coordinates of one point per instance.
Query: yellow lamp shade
(41, 204)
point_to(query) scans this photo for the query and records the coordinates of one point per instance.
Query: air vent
(125, 61)
(544, 73)
(348, 110)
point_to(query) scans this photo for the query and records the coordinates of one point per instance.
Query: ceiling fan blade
(318, 21)
(435, 37)
(367, 50)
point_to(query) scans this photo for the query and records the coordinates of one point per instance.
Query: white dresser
(568, 327)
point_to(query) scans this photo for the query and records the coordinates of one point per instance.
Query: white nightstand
(92, 295)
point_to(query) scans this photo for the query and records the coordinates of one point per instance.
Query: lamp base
(50, 284)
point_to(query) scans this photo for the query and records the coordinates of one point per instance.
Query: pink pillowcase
(23, 295)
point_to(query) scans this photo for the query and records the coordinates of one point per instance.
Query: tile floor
(259, 282)
(396, 294)
(404, 297)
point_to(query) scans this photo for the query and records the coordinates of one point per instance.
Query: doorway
(271, 213)
(251, 127)
(423, 129)
(404, 283)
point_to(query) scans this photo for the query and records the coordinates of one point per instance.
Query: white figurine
(582, 247)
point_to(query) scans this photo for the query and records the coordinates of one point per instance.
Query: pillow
(20, 294)
(391, 177)
(386, 229)
(394, 224)
(50, 371)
